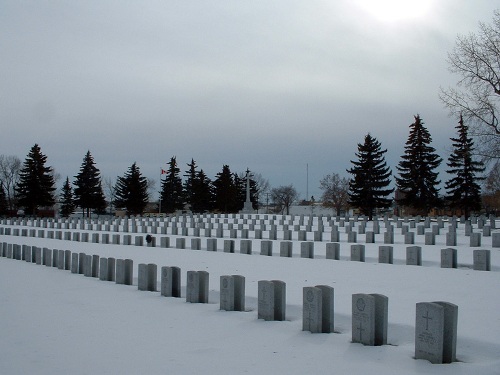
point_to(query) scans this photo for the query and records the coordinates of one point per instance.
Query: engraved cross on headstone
(427, 318)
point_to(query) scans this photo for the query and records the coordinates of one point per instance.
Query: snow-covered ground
(56, 322)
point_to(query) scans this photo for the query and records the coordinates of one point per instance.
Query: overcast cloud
(268, 85)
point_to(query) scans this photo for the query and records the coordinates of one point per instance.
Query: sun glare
(395, 10)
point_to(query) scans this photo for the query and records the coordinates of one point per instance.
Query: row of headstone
(409, 237)
(197, 219)
(435, 327)
(481, 258)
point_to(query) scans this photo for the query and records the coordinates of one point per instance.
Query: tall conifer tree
(171, 189)
(132, 191)
(226, 197)
(67, 200)
(36, 182)
(189, 183)
(463, 191)
(368, 187)
(418, 180)
(88, 189)
(202, 199)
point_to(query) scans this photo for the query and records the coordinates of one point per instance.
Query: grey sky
(269, 85)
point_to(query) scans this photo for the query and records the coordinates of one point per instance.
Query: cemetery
(416, 291)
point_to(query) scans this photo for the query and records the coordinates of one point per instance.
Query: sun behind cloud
(395, 10)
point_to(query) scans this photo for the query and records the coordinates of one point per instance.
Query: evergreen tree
(418, 182)
(202, 199)
(3, 201)
(67, 202)
(368, 187)
(171, 189)
(88, 191)
(132, 191)
(189, 183)
(36, 182)
(226, 197)
(463, 191)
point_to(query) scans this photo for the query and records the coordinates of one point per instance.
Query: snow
(56, 322)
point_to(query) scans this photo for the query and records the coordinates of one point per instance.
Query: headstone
(369, 319)
(211, 244)
(147, 277)
(430, 238)
(352, 237)
(271, 300)
(246, 247)
(111, 264)
(229, 246)
(87, 266)
(358, 253)
(95, 265)
(312, 309)
(227, 293)
(414, 255)
(266, 248)
(482, 260)
(103, 269)
(327, 318)
(385, 254)
(410, 238)
(164, 242)
(451, 239)
(180, 243)
(171, 282)
(286, 249)
(197, 287)
(363, 319)
(265, 300)
(307, 250)
(389, 237)
(74, 262)
(475, 239)
(333, 250)
(370, 237)
(495, 239)
(279, 300)
(448, 258)
(195, 243)
(436, 332)
(124, 271)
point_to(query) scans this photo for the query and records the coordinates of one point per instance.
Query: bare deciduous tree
(283, 197)
(9, 176)
(335, 192)
(476, 58)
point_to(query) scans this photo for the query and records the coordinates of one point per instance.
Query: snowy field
(56, 322)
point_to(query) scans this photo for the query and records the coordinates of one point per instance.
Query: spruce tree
(418, 180)
(189, 184)
(3, 201)
(36, 182)
(368, 187)
(226, 197)
(132, 191)
(67, 199)
(88, 191)
(463, 191)
(202, 199)
(171, 189)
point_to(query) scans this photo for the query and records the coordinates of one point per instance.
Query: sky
(285, 88)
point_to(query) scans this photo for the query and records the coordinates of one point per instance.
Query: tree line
(417, 182)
